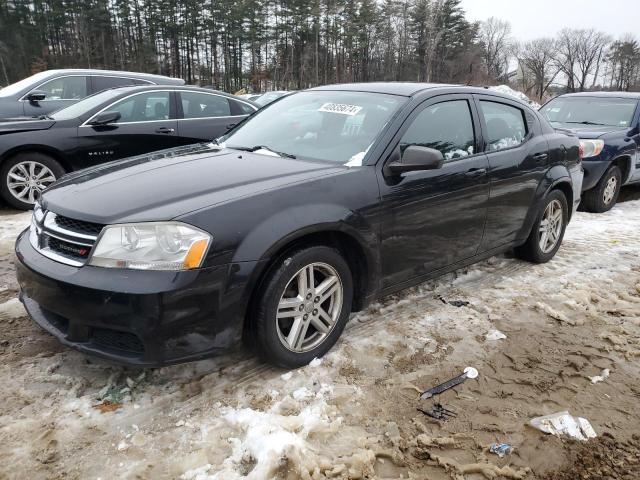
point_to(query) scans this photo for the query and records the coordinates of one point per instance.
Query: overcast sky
(539, 18)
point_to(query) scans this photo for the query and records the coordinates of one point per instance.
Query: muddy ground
(353, 414)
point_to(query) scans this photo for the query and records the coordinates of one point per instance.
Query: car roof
(632, 95)
(190, 88)
(409, 89)
(118, 73)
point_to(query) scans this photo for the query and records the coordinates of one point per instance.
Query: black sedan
(307, 211)
(112, 124)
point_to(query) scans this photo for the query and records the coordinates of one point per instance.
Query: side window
(241, 108)
(446, 126)
(65, 88)
(104, 83)
(506, 126)
(144, 107)
(203, 105)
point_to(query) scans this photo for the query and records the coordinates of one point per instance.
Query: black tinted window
(65, 88)
(446, 126)
(143, 107)
(202, 105)
(506, 126)
(104, 83)
(241, 108)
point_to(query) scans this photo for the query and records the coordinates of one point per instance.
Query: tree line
(261, 45)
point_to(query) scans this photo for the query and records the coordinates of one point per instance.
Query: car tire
(546, 234)
(45, 169)
(604, 195)
(287, 323)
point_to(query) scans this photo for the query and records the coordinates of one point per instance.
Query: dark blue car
(608, 125)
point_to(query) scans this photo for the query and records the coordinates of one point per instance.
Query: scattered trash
(469, 372)
(107, 406)
(602, 377)
(439, 412)
(455, 303)
(500, 449)
(495, 335)
(563, 423)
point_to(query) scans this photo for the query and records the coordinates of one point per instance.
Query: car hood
(170, 183)
(24, 125)
(588, 131)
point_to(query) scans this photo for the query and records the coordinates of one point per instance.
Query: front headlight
(151, 246)
(591, 148)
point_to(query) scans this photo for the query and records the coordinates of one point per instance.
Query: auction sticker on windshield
(340, 108)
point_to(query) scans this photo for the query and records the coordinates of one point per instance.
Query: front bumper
(131, 317)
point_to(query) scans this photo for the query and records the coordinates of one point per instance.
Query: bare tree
(623, 62)
(579, 55)
(537, 62)
(495, 38)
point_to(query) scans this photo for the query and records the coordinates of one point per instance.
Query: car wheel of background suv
(547, 231)
(604, 195)
(303, 307)
(25, 175)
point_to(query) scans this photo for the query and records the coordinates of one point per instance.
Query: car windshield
(612, 112)
(86, 104)
(334, 126)
(17, 87)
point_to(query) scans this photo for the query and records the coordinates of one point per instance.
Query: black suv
(608, 124)
(51, 90)
(308, 210)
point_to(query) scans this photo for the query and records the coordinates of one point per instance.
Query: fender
(45, 149)
(275, 233)
(555, 176)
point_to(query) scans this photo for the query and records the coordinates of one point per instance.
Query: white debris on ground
(507, 90)
(352, 413)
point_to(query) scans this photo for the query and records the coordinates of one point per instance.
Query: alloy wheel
(550, 226)
(610, 190)
(26, 180)
(309, 307)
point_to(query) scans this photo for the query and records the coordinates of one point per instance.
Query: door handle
(231, 125)
(539, 157)
(165, 130)
(476, 172)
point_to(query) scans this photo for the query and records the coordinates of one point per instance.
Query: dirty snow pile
(505, 89)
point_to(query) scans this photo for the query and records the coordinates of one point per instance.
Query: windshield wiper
(264, 147)
(588, 122)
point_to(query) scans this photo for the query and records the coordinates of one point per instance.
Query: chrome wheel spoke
(26, 180)
(307, 313)
(550, 226)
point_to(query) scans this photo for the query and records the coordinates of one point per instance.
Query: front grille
(124, 341)
(63, 239)
(78, 226)
(72, 250)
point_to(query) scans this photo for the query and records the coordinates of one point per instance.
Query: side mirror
(105, 118)
(36, 96)
(416, 158)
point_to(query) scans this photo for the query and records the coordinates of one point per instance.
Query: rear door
(61, 92)
(205, 116)
(435, 218)
(518, 156)
(147, 123)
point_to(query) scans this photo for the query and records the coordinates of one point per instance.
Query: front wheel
(548, 230)
(24, 176)
(604, 195)
(303, 307)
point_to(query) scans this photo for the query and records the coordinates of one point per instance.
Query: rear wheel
(24, 176)
(548, 230)
(303, 307)
(604, 195)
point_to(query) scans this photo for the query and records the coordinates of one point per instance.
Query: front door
(147, 123)
(435, 218)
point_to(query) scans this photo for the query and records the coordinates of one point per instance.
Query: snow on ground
(352, 414)
(507, 90)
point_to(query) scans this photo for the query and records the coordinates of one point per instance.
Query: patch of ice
(495, 335)
(302, 393)
(286, 376)
(12, 309)
(316, 362)
(600, 378)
